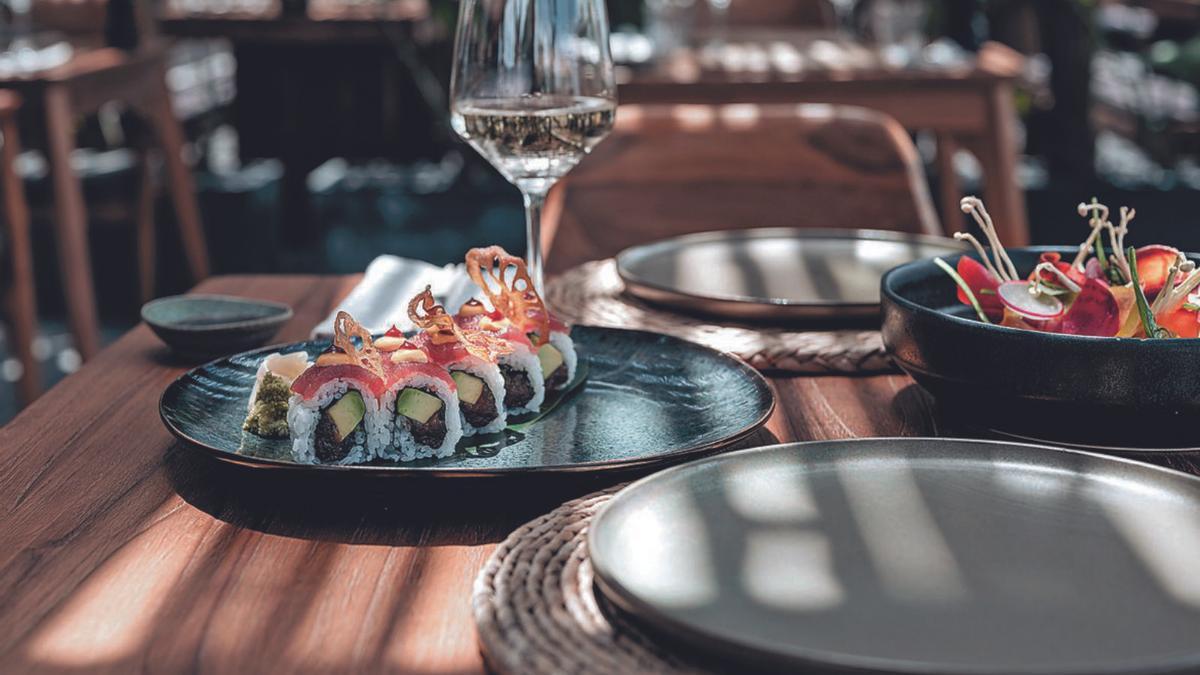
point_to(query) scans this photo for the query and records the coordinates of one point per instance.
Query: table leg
(949, 191)
(1001, 191)
(20, 301)
(183, 190)
(146, 234)
(71, 224)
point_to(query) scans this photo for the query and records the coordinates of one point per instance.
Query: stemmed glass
(719, 14)
(532, 90)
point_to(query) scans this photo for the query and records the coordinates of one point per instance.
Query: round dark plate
(647, 399)
(913, 556)
(1100, 391)
(774, 273)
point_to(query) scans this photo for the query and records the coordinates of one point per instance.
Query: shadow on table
(381, 510)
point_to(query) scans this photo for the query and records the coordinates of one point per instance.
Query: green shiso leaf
(963, 285)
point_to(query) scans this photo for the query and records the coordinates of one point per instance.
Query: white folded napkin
(381, 298)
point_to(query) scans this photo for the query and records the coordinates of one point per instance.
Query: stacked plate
(774, 274)
(912, 556)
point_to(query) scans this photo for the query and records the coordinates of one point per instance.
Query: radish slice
(1016, 296)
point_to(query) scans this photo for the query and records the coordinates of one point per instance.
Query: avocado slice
(470, 388)
(416, 405)
(550, 358)
(347, 412)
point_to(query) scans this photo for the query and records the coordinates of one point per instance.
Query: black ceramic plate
(774, 273)
(1095, 391)
(913, 556)
(647, 398)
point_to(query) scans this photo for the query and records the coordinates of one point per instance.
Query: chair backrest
(816, 14)
(99, 23)
(671, 170)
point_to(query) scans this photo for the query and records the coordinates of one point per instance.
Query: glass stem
(533, 235)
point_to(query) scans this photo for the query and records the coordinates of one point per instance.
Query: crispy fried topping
(364, 354)
(512, 295)
(437, 323)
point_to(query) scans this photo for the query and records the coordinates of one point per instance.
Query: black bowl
(201, 327)
(1123, 391)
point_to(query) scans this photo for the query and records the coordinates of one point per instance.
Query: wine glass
(718, 11)
(532, 90)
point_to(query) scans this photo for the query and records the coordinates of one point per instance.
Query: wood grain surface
(121, 550)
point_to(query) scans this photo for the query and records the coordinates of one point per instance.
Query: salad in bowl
(1075, 344)
(1105, 290)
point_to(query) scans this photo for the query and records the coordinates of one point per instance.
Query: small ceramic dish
(206, 326)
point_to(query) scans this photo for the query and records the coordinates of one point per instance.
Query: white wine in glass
(532, 91)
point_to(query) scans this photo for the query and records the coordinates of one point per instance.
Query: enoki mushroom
(1003, 269)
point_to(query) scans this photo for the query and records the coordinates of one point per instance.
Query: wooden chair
(788, 14)
(671, 170)
(19, 299)
(59, 98)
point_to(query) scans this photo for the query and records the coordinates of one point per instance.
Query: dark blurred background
(317, 149)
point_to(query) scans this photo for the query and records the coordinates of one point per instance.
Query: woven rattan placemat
(593, 293)
(536, 611)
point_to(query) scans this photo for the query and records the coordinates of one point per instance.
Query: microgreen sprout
(1148, 323)
(962, 284)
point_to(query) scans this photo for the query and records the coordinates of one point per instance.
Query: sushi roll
(520, 369)
(476, 376)
(333, 414)
(420, 403)
(515, 300)
(423, 385)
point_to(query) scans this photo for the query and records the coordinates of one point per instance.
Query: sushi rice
(304, 414)
(564, 344)
(490, 374)
(525, 360)
(402, 446)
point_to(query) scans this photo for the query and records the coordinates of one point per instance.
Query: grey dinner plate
(913, 556)
(646, 399)
(774, 273)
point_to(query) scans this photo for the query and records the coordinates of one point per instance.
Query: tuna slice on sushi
(333, 415)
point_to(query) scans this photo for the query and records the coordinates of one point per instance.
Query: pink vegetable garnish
(983, 284)
(1153, 265)
(1094, 312)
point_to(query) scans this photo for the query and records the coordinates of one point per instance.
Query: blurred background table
(966, 100)
(315, 85)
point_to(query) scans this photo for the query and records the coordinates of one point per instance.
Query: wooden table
(121, 550)
(966, 105)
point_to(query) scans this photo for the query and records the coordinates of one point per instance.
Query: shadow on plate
(356, 509)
